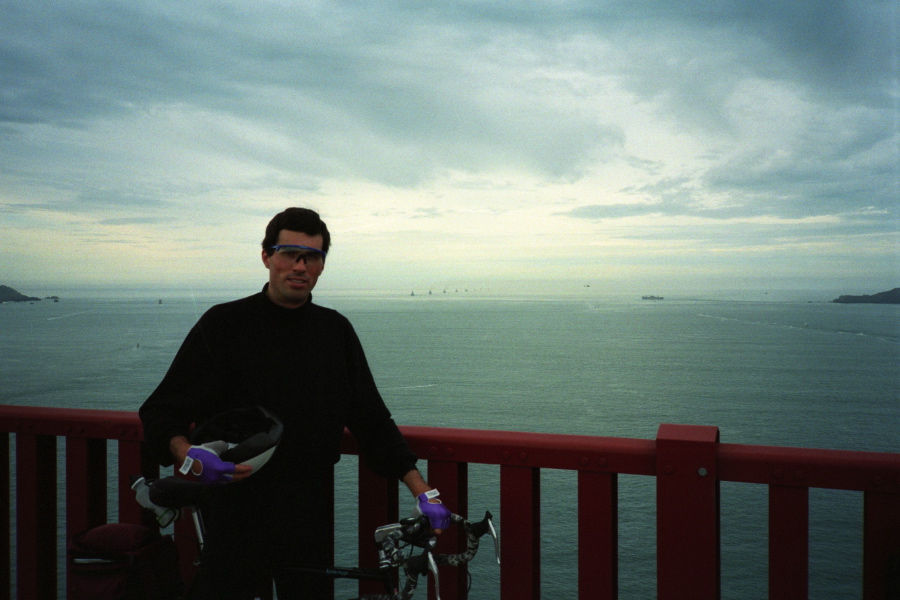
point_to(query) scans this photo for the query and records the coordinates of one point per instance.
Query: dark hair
(303, 220)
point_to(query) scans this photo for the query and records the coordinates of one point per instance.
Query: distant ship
(652, 298)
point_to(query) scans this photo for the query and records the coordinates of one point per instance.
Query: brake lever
(486, 526)
(493, 534)
(432, 566)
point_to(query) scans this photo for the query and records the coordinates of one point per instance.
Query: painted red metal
(810, 468)
(881, 545)
(378, 504)
(598, 536)
(85, 483)
(788, 547)
(687, 461)
(520, 506)
(36, 515)
(687, 523)
(452, 480)
(5, 511)
(542, 450)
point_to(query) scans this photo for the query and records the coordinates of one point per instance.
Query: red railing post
(788, 542)
(452, 480)
(687, 497)
(520, 507)
(378, 505)
(5, 512)
(85, 483)
(36, 516)
(881, 546)
(598, 536)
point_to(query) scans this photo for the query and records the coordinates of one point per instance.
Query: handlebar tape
(175, 492)
(483, 526)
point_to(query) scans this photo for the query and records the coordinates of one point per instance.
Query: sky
(534, 146)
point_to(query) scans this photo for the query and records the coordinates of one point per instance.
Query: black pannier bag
(123, 561)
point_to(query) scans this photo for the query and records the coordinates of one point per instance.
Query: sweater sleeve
(174, 405)
(383, 446)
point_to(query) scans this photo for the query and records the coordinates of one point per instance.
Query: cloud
(670, 118)
(422, 94)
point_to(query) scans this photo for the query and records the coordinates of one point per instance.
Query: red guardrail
(688, 462)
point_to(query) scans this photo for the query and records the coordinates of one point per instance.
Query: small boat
(652, 298)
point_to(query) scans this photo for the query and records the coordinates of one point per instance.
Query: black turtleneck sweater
(306, 365)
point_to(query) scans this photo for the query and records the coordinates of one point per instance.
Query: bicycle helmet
(252, 435)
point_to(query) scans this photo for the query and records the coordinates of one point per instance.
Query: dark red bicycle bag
(122, 561)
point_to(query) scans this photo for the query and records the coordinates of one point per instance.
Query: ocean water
(778, 373)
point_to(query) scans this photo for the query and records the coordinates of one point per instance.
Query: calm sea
(780, 373)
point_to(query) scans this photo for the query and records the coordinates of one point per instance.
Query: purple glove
(438, 514)
(204, 462)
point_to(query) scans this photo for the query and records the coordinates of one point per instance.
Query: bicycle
(396, 543)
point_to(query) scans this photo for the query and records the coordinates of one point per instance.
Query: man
(305, 364)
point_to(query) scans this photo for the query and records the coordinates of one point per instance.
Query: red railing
(688, 462)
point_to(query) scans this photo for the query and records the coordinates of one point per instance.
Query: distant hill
(7, 294)
(890, 297)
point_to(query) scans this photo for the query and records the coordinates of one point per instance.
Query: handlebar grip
(416, 531)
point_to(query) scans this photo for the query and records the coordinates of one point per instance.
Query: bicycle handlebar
(416, 531)
(175, 492)
(391, 540)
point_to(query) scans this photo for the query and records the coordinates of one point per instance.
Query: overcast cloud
(655, 146)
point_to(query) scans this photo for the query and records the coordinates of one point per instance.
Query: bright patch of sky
(658, 147)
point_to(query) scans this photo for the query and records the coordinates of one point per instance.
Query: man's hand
(203, 461)
(438, 514)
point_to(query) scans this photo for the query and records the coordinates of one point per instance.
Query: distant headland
(889, 297)
(7, 294)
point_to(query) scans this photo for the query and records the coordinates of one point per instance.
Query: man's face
(291, 281)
